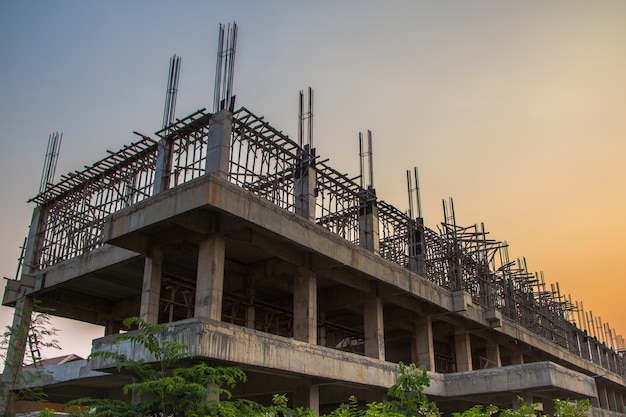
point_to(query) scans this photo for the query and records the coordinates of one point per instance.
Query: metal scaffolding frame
(74, 209)
(188, 140)
(263, 160)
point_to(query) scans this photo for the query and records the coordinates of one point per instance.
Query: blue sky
(515, 109)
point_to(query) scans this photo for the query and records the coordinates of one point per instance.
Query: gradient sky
(514, 109)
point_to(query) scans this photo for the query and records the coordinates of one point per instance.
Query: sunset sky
(514, 109)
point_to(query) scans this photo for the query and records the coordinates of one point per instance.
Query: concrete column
(32, 252)
(372, 395)
(210, 278)
(211, 395)
(305, 307)
(112, 327)
(305, 184)
(493, 354)
(250, 310)
(163, 168)
(620, 402)
(517, 357)
(368, 222)
(548, 405)
(612, 400)
(307, 395)
(524, 396)
(424, 351)
(218, 143)
(24, 306)
(373, 327)
(416, 248)
(16, 348)
(463, 350)
(135, 397)
(321, 336)
(603, 396)
(151, 290)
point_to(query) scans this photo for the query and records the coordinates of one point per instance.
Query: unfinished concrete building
(258, 254)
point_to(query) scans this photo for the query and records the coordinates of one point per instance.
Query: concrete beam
(256, 350)
(535, 376)
(75, 268)
(227, 342)
(73, 372)
(210, 192)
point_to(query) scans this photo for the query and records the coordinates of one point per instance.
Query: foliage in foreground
(193, 391)
(406, 398)
(42, 333)
(563, 408)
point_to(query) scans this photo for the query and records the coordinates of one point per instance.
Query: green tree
(478, 411)
(167, 390)
(161, 389)
(407, 395)
(567, 408)
(25, 372)
(563, 408)
(406, 398)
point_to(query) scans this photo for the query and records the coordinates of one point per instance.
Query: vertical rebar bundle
(363, 154)
(302, 116)
(172, 90)
(50, 162)
(225, 68)
(414, 190)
